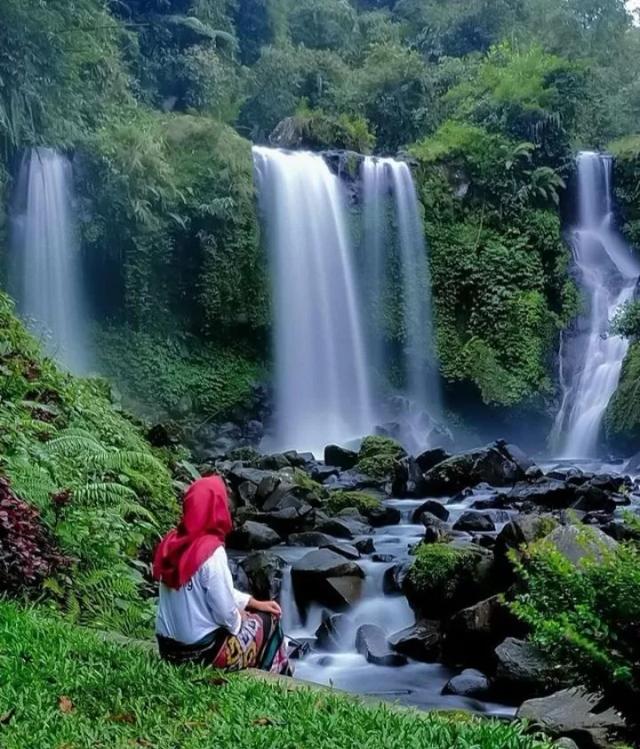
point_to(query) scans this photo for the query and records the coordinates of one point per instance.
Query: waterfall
(395, 252)
(591, 359)
(45, 273)
(322, 367)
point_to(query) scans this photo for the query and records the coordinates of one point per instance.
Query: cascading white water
(394, 239)
(591, 359)
(322, 369)
(46, 276)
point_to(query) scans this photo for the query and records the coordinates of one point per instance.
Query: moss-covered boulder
(447, 577)
(378, 456)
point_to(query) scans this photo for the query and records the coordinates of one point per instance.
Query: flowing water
(323, 392)
(46, 275)
(591, 358)
(394, 240)
(416, 683)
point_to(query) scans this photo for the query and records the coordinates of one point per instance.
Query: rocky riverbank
(468, 515)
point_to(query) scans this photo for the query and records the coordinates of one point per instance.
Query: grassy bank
(61, 686)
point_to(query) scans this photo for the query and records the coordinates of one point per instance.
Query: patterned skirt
(260, 643)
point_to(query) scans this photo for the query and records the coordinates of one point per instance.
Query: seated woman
(201, 617)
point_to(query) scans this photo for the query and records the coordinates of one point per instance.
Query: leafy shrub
(586, 617)
(101, 491)
(377, 456)
(27, 553)
(179, 376)
(363, 502)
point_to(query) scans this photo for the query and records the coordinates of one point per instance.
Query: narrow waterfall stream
(393, 233)
(45, 274)
(416, 683)
(323, 392)
(591, 359)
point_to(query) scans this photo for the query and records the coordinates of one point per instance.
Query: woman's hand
(269, 607)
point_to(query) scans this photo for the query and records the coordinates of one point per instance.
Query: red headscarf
(206, 521)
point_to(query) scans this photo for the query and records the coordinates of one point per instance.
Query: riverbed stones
(328, 578)
(345, 550)
(495, 464)
(365, 545)
(393, 578)
(472, 634)
(264, 571)
(341, 457)
(521, 670)
(332, 634)
(422, 641)
(371, 642)
(470, 683)
(548, 493)
(474, 522)
(342, 527)
(310, 538)
(251, 535)
(431, 458)
(574, 713)
(433, 507)
(383, 515)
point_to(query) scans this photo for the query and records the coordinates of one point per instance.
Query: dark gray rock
(474, 522)
(317, 577)
(521, 670)
(431, 458)
(574, 713)
(282, 498)
(341, 457)
(371, 642)
(393, 578)
(593, 498)
(470, 683)
(365, 546)
(422, 641)
(251, 535)
(322, 473)
(494, 464)
(333, 632)
(343, 527)
(384, 515)
(310, 538)
(432, 506)
(273, 462)
(549, 493)
(264, 572)
(246, 493)
(288, 520)
(472, 634)
(345, 550)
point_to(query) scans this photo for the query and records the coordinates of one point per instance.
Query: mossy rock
(447, 577)
(378, 456)
(361, 501)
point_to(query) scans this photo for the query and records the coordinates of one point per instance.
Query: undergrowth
(101, 491)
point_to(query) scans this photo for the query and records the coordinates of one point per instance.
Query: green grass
(62, 687)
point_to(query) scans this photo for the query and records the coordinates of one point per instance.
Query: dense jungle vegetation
(158, 101)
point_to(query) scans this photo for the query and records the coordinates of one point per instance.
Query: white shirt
(206, 603)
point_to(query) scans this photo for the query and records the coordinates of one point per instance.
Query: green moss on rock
(362, 501)
(378, 455)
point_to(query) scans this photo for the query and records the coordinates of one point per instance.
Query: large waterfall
(396, 261)
(322, 369)
(45, 275)
(591, 359)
